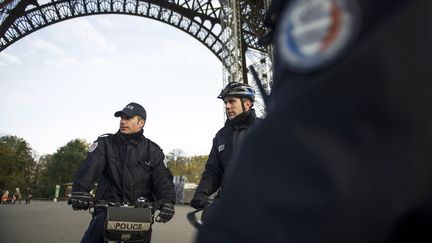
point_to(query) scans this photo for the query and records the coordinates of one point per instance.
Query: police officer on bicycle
(126, 166)
(238, 99)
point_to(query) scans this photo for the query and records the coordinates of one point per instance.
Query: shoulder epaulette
(105, 135)
(154, 144)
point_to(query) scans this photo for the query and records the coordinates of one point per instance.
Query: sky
(65, 82)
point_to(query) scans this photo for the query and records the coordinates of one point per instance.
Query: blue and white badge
(92, 147)
(313, 33)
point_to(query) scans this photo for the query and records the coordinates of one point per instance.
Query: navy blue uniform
(344, 153)
(126, 167)
(227, 140)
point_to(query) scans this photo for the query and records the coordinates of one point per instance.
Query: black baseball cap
(132, 109)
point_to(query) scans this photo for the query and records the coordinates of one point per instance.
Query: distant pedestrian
(5, 197)
(179, 182)
(18, 195)
(28, 195)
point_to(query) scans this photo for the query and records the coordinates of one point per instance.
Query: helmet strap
(242, 100)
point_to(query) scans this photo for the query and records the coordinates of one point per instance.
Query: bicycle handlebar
(193, 219)
(141, 203)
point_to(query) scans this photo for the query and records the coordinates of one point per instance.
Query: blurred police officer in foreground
(126, 166)
(238, 99)
(344, 154)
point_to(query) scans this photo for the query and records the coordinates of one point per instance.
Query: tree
(174, 159)
(60, 167)
(191, 167)
(42, 188)
(6, 165)
(16, 162)
(196, 168)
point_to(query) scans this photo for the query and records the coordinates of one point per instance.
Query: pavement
(56, 222)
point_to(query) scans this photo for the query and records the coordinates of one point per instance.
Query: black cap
(131, 110)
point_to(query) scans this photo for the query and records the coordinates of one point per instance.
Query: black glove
(166, 213)
(81, 200)
(199, 203)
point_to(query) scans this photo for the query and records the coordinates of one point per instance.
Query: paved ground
(53, 222)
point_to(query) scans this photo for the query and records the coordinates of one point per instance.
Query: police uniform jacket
(126, 168)
(344, 154)
(225, 143)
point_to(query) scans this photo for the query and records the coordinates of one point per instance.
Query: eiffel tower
(230, 29)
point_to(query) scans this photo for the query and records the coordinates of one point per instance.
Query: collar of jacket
(133, 138)
(243, 120)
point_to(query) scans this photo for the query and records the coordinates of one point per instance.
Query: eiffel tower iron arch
(230, 29)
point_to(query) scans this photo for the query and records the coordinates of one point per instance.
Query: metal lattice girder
(243, 21)
(232, 23)
(208, 21)
(200, 19)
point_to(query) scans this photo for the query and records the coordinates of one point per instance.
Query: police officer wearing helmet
(126, 165)
(344, 152)
(238, 99)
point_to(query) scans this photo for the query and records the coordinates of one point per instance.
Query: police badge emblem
(92, 147)
(313, 33)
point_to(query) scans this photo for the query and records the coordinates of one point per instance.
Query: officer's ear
(141, 122)
(247, 103)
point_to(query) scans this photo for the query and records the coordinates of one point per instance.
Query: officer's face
(233, 106)
(129, 125)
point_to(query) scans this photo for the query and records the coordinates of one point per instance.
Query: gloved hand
(199, 202)
(81, 200)
(166, 213)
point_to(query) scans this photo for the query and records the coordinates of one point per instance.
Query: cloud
(190, 52)
(62, 62)
(98, 61)
(81, 33)
(54, 55)
(8, 59)
(48, 47)
(104, 22)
